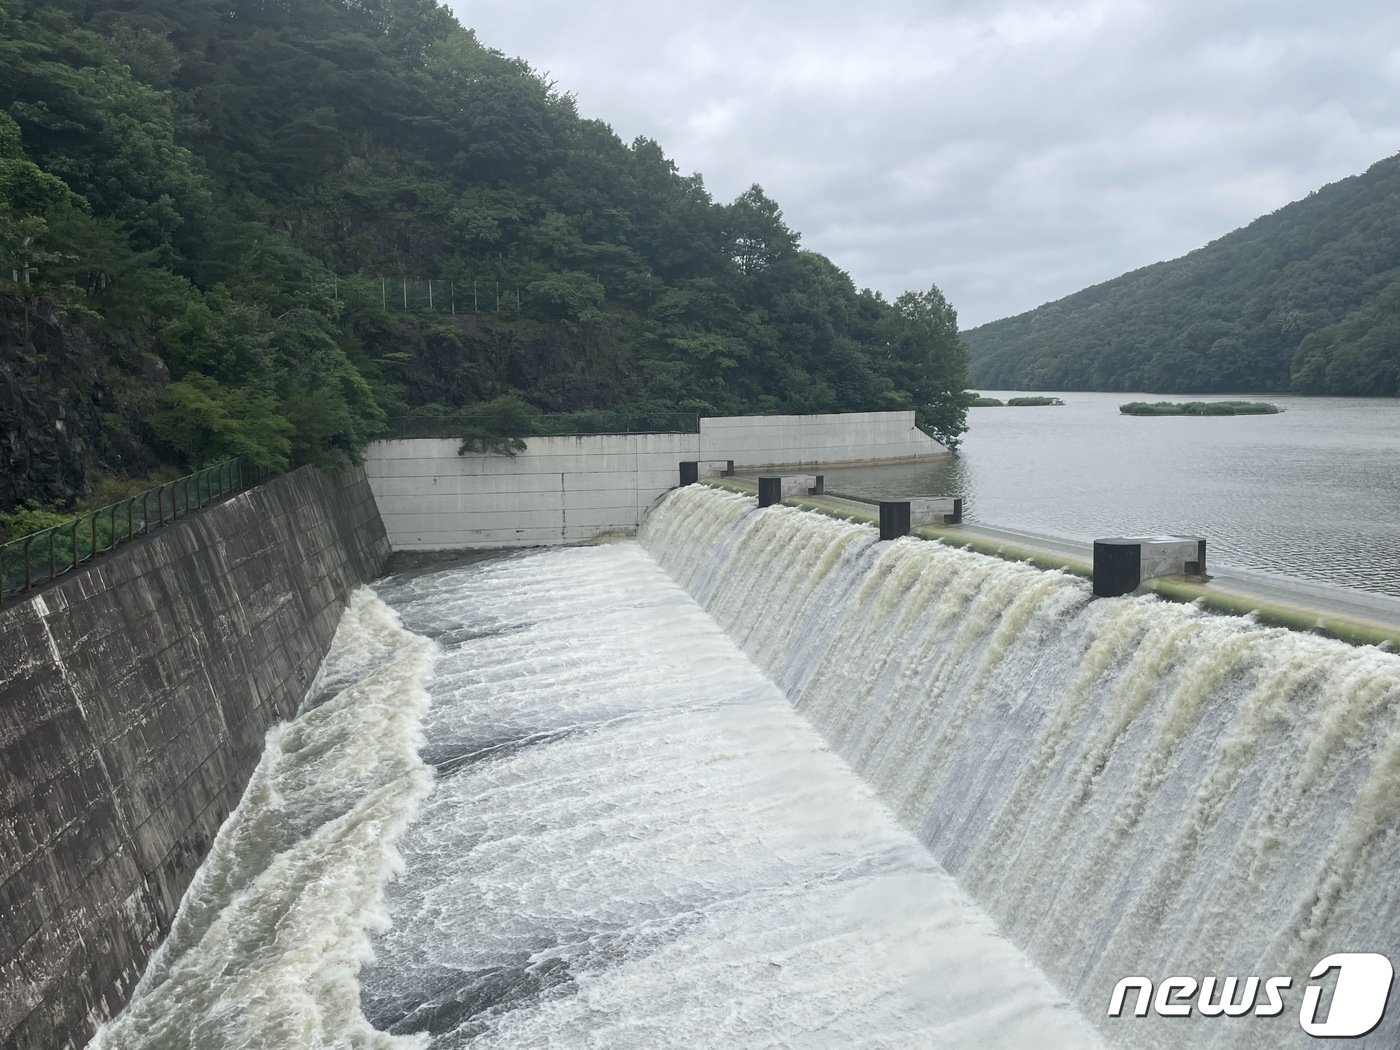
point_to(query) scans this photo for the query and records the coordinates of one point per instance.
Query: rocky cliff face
(71, 405)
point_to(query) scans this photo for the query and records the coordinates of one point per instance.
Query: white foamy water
(763, 781)
(1128, 787)
(635, 841)
(270, 936)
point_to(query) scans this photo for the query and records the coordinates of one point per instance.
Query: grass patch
(1199, 408)
(1033, 402)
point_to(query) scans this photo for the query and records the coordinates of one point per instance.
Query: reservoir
(1312, 493)
(756, 779)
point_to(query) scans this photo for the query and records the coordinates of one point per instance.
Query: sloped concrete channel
(134, 697)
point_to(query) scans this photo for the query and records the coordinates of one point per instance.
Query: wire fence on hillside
(435, 295)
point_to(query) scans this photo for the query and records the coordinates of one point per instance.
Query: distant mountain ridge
(1305, 299)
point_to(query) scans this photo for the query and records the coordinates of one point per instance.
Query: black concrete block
(770, 491)
(1117, 567)
(894, 519)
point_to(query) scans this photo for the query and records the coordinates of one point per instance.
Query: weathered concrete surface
(574, 489)
(134, 698)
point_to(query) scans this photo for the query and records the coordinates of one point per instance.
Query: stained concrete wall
(817, 440)
(134, 697)
(573, 489)
(559, 490)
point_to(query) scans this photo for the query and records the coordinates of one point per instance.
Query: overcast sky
(1009, 152)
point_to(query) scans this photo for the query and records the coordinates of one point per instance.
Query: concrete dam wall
(574, 489)
(1061, 823)
(642, 833)
(134, 698)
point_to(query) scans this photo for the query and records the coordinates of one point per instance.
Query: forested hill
(218, 222)
(1306, 299)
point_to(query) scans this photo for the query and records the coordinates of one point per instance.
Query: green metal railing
(34, 560)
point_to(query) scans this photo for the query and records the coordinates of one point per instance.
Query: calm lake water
(1313, 492)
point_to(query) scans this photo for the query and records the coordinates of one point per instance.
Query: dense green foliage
(27, 520)
(213, 213)
(1033, 402)
(1305, 299)
(1198, 408)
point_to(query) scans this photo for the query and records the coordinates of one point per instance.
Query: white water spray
(636, 843)
(270, 936)
(1129, 787)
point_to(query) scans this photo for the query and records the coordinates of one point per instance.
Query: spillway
(634, 841)
(265, 947)
(1128, 787)
(760, 780)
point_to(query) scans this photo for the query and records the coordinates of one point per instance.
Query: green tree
(499, 426)
(214, 205)
(205, 422)
(928, 362)
(757, 235)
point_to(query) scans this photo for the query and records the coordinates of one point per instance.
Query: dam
(756, 778)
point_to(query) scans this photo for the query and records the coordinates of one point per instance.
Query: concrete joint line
(42, 608)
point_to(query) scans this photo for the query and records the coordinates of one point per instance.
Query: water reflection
(1313, 492)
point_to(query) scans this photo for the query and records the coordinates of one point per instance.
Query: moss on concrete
(1171, 588)
(1006, 551)
(1186, 589)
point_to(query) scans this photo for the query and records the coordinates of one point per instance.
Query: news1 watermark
(1358, 1004)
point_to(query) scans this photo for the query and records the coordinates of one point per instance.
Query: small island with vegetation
(1199, 408)
(978, 401)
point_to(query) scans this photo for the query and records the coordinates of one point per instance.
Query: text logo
(1358, 1000)
(1358, 1003)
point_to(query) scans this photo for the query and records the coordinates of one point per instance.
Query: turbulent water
(268, 939)
(634, 841)
(759, 780)
(1128, 787)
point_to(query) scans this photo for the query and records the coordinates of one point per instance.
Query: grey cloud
(1010, 153)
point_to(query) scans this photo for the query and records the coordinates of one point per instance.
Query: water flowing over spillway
(269, 936)
(1128, 787)
(760, 780)
(635, 842)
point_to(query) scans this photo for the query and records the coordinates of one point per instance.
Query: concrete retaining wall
(820, 440)
(573, 489)
(559, 490)
(134, 697)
